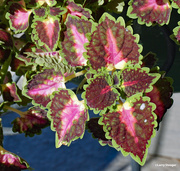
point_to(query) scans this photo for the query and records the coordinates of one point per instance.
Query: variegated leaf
(68, 116)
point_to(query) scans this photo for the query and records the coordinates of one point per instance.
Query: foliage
(62, 40)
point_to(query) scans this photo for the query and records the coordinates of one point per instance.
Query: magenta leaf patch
(77, 10)
(161, 96)
(131, 127)
(112, 45)
(68, 116)
(75, 40)
(99, 93)
(18, 17)
(31, 122)
(10, 92)
(43, 85)
(150, 11)
(10, 161)
(46, 32)
(5, 39)
(138, 80)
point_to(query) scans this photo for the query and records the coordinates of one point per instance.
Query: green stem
(15, 110)
(84, 3)
(70, 77)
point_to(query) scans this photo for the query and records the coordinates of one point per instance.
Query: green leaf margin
(134, 16)
(129, 28)
(109, 81)
(74, 97)
(147, 70)
(131, 100)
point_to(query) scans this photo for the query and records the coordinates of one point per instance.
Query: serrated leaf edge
(130, 100)
(89, 81)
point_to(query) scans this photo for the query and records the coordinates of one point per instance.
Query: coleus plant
(64, 41)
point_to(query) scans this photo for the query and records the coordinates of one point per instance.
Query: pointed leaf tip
(10, 161)
(137, 80)
(10, 92)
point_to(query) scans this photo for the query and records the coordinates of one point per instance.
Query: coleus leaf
(100, 94)
(46, 32)
(75, 39)
(49, 60)
(149, 12)
(68, 116)
(42, 85)
(31, 122)
(5, 39)
(10, 161)
(112, 45)
(18, 17)
(57, 11)
(10, 92)
(77, 10)
(40, 12)
(131, 126)
(176, 4)
(161, 96)
(137, 80)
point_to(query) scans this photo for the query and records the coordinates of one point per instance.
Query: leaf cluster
(50, 44)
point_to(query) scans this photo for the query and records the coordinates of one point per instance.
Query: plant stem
(70, 77)
(84, 3)
(15, 110)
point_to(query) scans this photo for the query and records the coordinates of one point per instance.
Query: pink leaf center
(129, 120)
(113, 54)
